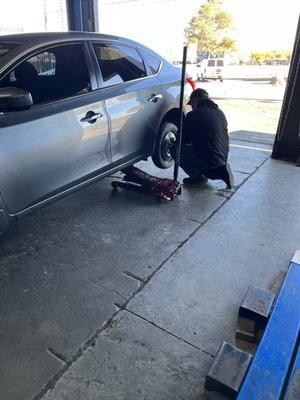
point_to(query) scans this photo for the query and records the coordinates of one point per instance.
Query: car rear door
(64, 138)
(133, 99)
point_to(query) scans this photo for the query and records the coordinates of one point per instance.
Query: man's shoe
(197, 180)
(228, 176)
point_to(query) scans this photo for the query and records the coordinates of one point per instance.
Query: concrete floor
(113, 296)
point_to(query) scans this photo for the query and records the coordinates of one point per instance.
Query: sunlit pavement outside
(250, 105)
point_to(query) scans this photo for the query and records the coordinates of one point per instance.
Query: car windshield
(6, 48)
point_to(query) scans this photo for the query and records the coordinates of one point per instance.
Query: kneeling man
(205, 142)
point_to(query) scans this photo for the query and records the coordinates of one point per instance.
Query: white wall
(32, 16)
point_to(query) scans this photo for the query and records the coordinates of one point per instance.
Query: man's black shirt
(206, 129)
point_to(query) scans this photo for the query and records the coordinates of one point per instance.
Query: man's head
(197, 96)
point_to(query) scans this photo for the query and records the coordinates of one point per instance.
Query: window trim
(121, 43)
(36, 51)
(141, 51)
(101, 80)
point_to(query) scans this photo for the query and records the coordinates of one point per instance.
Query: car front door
(63, 139)
(133, 100)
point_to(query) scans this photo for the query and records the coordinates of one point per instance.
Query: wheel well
(172, 116)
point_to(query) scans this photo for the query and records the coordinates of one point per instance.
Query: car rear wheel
(162, 157)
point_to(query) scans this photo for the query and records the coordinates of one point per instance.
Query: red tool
(139, 181)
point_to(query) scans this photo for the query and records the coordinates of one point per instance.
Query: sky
(259, 24)
(264, 24)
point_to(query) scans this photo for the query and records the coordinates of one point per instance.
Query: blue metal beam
(276, 359)
(82, 15)
(293, 386)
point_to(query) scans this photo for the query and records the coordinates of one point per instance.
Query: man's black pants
(193, 167)
(190, 162)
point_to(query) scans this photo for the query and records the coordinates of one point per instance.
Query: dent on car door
(133, 102)
(62, 139)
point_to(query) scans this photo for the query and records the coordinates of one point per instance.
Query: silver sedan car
(76, 107)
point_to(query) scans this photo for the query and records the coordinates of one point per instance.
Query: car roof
(26, 41)
(45, 36)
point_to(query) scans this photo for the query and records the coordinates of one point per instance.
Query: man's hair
(208, 103)
(198, 94)
(203, 98)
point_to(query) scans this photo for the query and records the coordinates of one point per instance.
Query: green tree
(287, 54)
(210, 28)
(259, 56)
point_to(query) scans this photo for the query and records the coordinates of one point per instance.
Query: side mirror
(14, 99)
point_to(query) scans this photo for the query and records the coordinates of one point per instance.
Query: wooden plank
(269, 369)
(277, 284)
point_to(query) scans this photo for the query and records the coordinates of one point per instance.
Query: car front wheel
(162, 157)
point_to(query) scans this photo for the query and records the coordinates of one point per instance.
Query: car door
(133, 100)
(63, 139)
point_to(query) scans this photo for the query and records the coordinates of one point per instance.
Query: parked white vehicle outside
(211, 68)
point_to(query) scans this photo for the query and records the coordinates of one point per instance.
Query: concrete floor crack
(193, 220)
(89, 343)
(170, 333)
(57, 355)
(131, 275)
(105, 288)
(242, 172)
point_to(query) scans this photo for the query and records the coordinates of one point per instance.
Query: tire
(166, 135)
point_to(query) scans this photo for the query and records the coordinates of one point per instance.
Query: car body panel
(47, 152)
(134, 119)
(36, 162)
(171, 81)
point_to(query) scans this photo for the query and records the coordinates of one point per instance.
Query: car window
(119, 63)
(211, 63)
(220, 63)
(152, 62)
(53, 74)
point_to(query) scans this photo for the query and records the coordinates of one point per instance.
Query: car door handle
(155, 97)
(91, 117)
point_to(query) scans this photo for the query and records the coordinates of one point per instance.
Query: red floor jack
(139, 181)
